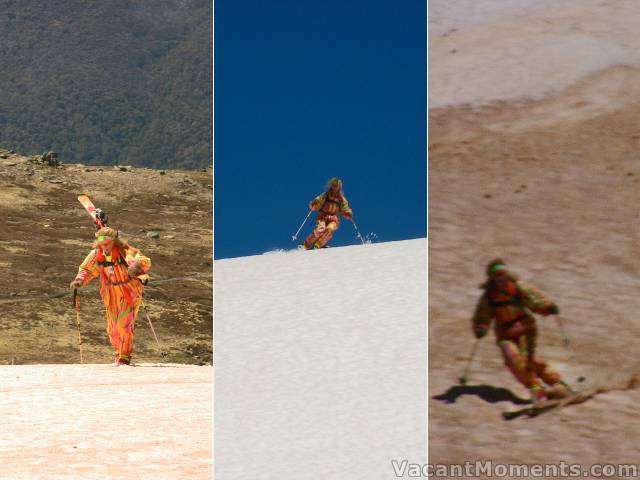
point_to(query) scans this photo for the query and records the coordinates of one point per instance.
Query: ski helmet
(495, 266)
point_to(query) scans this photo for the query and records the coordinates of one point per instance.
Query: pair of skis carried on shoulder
(99, 217)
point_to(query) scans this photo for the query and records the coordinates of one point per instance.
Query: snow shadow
(487, 393)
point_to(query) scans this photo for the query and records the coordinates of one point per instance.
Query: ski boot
(122, 360)
(538, 394)
(559, 390)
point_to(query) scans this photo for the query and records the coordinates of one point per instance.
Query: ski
(302, 247)
(99, 217)
(547, 405)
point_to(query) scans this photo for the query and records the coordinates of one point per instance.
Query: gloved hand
(480, 331)
(553, 309)
(75, 284)
(135, 269)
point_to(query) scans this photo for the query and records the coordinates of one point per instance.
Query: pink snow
(150, 421)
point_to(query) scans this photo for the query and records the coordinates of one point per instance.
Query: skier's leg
(111, 302)
(125, 330)
(317, 233)
(120, 325)
(539, 367)
(112, 328)
(327, 235)
(541, 370)
(516, 361)
(130, 304)
(545, 372)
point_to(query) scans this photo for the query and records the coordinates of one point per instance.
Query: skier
(122, 270)
(510, 302)
(329, 206)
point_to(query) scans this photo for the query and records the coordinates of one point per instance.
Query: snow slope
(483, 51)
(87, 422)
(551, 186)
(321, 362)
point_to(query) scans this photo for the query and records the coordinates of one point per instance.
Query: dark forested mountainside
(108, 82)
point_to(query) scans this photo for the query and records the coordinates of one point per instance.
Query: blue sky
(305, 91)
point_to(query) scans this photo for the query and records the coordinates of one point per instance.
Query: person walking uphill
(329, 205)
(122, 270)
(510, 302)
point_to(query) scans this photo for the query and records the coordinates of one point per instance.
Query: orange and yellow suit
(121, 294)
(329, 205)
(516, 331)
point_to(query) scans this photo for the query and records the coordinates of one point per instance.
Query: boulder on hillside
(49, 158)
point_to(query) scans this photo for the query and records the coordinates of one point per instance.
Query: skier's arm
(345, 209)
(482, 317)
(88, 270)
(317, 202)
(535, 300)
(139, 264)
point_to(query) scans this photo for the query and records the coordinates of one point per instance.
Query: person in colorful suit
(329, 205)
(510, 302)
(123, 272)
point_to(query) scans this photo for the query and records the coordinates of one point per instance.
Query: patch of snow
(491, 50)
(321, 362)
(89, 422)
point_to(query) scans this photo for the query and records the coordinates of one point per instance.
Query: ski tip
(515, 414)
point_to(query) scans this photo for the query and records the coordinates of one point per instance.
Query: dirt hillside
(45, 234)
(543, 171)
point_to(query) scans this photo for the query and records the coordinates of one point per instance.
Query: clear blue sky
(309, 90)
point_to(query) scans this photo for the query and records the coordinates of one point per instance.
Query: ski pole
(146, 312)
(353, 222)
(76, 305)
(565, 342)
(463, 378)
(565, 338)
(295, 237)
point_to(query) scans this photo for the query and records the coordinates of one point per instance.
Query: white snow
(321, 362)
(86, 422)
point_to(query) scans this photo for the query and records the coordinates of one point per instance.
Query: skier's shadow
(486, 392)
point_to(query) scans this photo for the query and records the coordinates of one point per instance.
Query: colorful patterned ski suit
(329, 205)
(516, 330)
(120, 293)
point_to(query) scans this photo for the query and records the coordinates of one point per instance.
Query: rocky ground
(542, 171)
(45, 234)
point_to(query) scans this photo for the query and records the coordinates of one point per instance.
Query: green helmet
(495, 265)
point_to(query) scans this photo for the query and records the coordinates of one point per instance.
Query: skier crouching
(329, 206)
(510, 301)
(122, 270)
